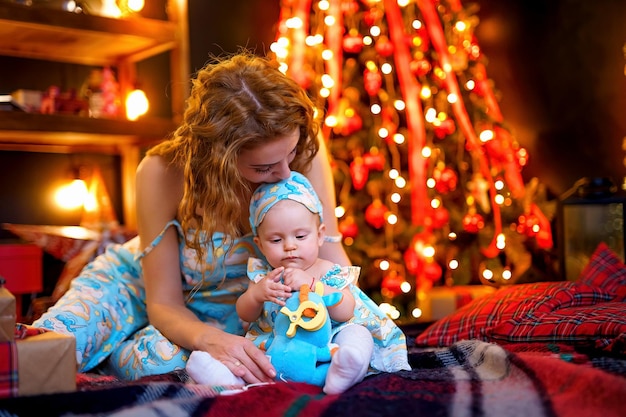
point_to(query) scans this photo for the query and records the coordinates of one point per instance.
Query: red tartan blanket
(470, 378)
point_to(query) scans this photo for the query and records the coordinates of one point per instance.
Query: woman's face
(269, 162)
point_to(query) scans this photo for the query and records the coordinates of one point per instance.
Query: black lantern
(592, 211)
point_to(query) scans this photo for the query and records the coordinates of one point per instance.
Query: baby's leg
(206, 370)
(351, 361)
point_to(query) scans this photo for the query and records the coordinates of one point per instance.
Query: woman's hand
(239, 355)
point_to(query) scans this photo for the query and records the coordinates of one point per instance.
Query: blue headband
(296, 188)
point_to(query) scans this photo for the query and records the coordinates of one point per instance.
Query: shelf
(27, 131)
(56, 35)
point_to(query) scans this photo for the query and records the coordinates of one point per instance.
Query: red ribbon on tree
(410, 89)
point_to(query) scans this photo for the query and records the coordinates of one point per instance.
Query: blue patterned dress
(105, 308)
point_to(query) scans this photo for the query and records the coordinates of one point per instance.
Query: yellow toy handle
(297, 320)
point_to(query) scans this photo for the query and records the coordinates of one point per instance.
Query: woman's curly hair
(236, 103)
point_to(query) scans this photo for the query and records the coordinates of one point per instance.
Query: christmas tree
(428, 174)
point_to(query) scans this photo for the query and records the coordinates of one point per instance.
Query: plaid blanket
(469, 378)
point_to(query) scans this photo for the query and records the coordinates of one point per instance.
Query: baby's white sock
(351, 361)
(205, 369)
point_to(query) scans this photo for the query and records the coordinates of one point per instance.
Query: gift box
(37, 362)
(438, 302)
(7, 314)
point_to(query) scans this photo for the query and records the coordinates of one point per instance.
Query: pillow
(476, 319)
(595, 326)
(605, 270)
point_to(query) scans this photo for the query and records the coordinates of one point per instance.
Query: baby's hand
(296, 278)
(272, 289)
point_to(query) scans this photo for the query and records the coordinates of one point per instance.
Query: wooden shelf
(47, 34)
(55, 35)
(19, 131)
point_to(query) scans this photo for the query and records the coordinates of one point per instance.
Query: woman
(141, 307)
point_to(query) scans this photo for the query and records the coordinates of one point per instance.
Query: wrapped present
(7, 313)
(438, 302)
(37, 362)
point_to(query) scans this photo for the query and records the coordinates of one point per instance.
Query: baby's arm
(270, 288)
(345, 309)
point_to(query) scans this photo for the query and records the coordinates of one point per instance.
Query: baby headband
(297, 188)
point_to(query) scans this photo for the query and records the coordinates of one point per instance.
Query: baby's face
(290, 235)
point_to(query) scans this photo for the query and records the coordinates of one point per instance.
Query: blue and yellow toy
(301, 348)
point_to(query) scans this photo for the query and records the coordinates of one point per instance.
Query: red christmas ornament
(384, 46)
(445, 128)
(372, 15)
(374, 160)
(353, 44)
(348, 228)
(359, 173)
(411, 260)
(420, 67)
(445, 180)
(432, 271)
(481, 87)
(437, 217)
(375, 214)
(392, 284)
(372, 81)
(496, 150)
(528, 224)
(473, 222)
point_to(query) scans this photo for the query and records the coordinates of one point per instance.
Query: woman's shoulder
(155, 165)
(159, 189)
(155, 169)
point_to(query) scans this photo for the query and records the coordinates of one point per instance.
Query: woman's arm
(321, 176)
(159, 190)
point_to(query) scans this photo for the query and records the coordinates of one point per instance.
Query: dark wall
(222, 27)
(559, 68)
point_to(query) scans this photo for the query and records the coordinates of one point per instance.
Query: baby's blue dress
(390, 351)
(105, 308)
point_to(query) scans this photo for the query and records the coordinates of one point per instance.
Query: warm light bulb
(136, 5)
(136, 104)
(71, 196)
